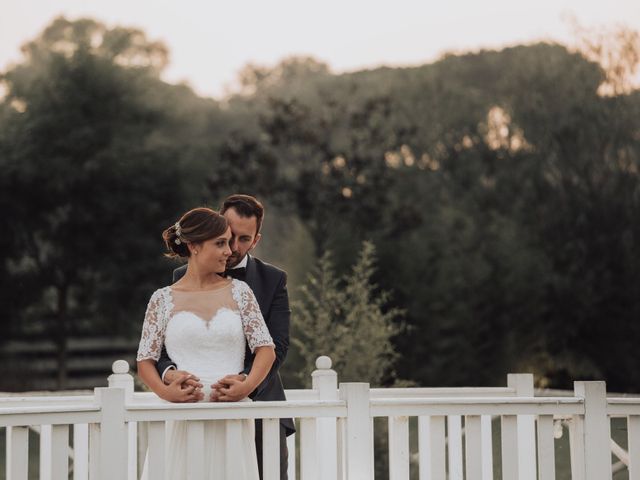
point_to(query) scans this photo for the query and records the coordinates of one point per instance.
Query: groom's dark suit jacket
(269, 285)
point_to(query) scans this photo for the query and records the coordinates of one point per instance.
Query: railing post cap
(323, 363)
(598, 387)
(120, 367)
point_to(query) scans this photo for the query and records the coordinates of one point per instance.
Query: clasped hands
(184, 387)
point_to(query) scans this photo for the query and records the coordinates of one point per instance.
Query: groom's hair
(246, 206)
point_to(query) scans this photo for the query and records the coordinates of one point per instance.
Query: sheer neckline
(216, 289)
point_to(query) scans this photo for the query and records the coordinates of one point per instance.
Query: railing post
(526, 428)
(597, 430)
(121, 378)
(325, 381)
(359, 434)
(113, 448)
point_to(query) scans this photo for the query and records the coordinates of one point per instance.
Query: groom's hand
(229, 389)
(191, 380)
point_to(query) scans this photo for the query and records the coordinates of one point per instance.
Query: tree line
(499, 191)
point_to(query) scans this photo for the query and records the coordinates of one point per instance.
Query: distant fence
(32, 364)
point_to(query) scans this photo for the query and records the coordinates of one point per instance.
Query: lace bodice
(204, 332)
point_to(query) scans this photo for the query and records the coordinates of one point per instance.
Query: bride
(204, 320)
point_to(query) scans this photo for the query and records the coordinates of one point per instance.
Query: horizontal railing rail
(476, 406)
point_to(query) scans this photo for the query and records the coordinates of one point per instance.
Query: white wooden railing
(114, 428)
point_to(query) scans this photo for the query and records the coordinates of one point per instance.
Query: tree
(289, 74)
(86, 190)
(616, 49)
(500, 189)
(347, 319)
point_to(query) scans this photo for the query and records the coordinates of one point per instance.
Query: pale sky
(209, 41)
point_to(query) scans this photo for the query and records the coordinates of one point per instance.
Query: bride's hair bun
(195, 226)
(175, 246)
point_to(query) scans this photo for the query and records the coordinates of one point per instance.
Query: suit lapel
(252, 275)
(253, 280)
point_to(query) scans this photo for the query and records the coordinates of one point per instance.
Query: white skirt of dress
(229, 450)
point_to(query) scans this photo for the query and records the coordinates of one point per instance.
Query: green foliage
(85, 188)
(500, 189)
(346, 318)
(287, 77)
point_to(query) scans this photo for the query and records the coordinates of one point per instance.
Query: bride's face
(212, 254)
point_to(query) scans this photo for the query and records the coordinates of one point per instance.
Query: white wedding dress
(205, 333)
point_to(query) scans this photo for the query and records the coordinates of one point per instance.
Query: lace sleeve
(153, 329)
(255, 330)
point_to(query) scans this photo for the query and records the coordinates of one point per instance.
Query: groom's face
(244, 236)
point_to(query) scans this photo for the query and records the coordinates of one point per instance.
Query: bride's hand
(231, 388)
(179, 391)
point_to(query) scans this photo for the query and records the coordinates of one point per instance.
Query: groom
(269, 284)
